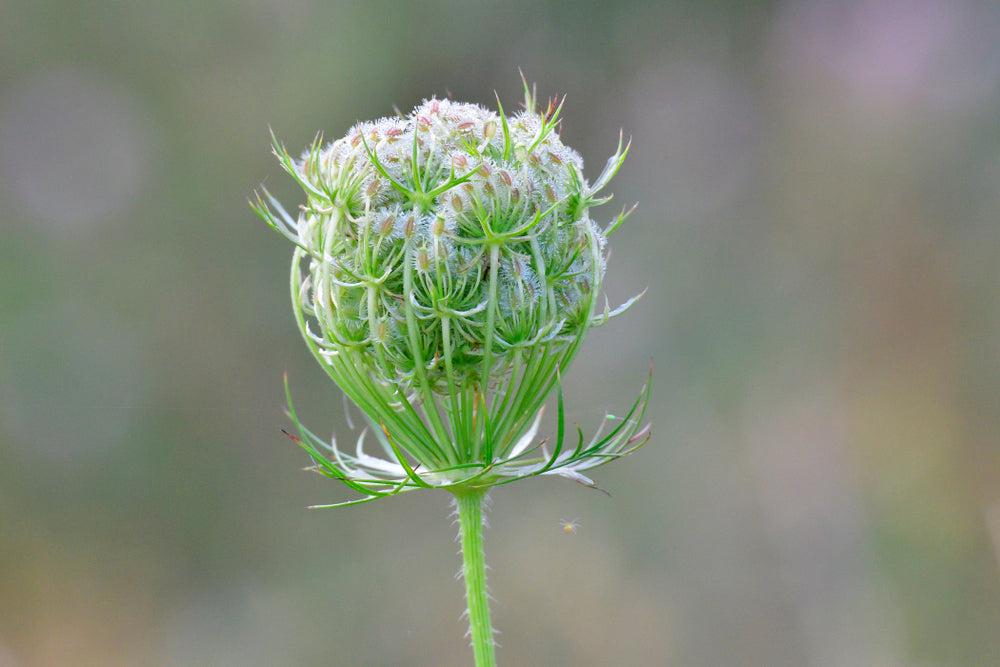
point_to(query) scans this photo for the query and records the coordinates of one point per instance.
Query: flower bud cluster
(442, 246)
(445, 274)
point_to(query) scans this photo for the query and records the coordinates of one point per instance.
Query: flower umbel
(446, 270)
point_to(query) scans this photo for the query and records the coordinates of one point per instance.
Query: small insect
(569, 527)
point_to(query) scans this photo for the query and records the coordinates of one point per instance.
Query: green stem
(470, 521)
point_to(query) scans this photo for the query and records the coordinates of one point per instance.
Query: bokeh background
(819, 231)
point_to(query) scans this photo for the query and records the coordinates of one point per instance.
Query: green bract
(446, 269)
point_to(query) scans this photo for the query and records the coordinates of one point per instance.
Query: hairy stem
(470, 521)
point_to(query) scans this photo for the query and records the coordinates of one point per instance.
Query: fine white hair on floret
(360, 133)
(465, 259)
(602, 240)
(457, 200)
(421, 227)
(520, 285)
(386, 331)
(391, 222)
(526, 123)
(303, 160)
(334, 155)
(389, 129)
(485, 170)
(447, 227)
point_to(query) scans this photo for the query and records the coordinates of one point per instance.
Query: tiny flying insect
(569, 527)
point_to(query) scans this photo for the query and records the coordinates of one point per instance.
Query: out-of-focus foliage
(819, 229)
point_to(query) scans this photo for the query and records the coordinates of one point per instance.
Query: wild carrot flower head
(446, 269)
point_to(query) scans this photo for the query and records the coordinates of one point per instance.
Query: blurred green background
(819, 230)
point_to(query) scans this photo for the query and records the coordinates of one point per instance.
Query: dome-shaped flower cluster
(444, 242)
(447, 260)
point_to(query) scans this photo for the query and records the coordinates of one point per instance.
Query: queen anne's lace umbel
(446, 269)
